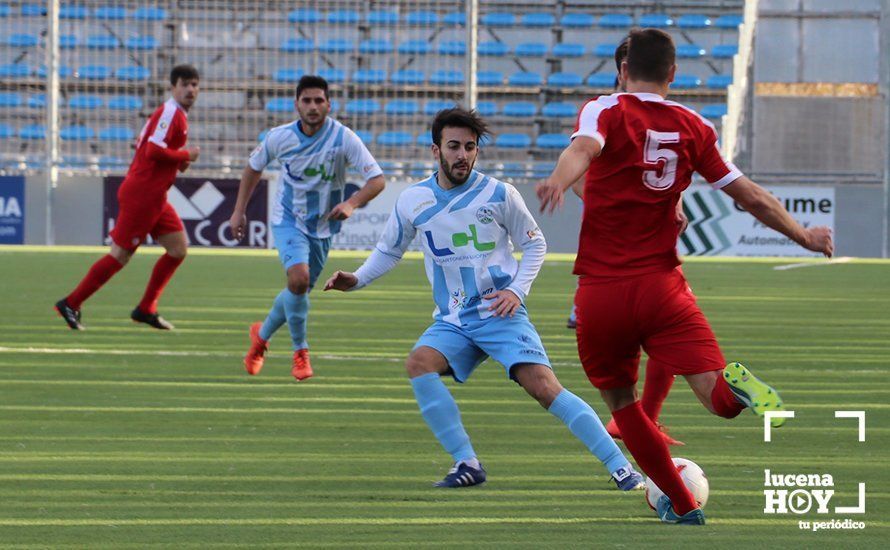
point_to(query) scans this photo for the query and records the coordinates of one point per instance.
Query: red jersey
(650, 148)
(158, 154)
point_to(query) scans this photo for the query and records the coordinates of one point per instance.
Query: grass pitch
(121, 436)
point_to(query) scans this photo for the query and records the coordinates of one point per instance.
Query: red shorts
(656, 312)
(136, 221)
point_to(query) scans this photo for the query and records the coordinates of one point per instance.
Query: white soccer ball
(691, 474)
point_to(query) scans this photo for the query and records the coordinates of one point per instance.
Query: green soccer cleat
(753, 392)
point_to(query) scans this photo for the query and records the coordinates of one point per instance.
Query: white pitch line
(833, 261)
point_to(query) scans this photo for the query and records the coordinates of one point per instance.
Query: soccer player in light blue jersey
(466, 221)
(313, 153)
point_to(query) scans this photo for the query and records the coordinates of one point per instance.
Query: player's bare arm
(363, 196)
(769, 211)
(573, 163)
(250, 178)
(682, 220)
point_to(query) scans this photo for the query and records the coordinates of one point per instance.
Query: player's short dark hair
(458, 117)
(312, 81)
(650, 55)
(621, 52)
(184, 72)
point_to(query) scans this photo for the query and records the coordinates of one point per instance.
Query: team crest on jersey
(458, 299)
(485, 214)
(532, 233)
(162, 124)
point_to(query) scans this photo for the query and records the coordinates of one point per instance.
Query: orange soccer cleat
(302, 369)
(612, 429)
(254, 359)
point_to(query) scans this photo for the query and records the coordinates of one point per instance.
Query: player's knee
(298, 281)
(121, 255)
(539, 382)
(179, 251)
(419, 363)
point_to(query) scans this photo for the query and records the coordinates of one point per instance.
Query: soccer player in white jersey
(466, 221)
(310, 206)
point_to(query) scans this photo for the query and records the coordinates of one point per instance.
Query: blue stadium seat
(280, 105)
(64, 71)
(487, 108)
(568, 49)
(6, 131)
(490, 78)
(33, 131)
(110, 13)
(452, 47)
(112, 163)
(498, 19)
(520, 109)
(132, 73)
(553, 141)
(305, 15)
(415, 47)
(375, 45)
(335, 106)
(336, 45)
(11, 100)
(77, 133)
(685, 82)
(424, 139)
(565, 80)
(694, 21)
(455, 19)
(724, 51)
(15, 70)
(577, 20)
(601, 80)
(402, 107)
(343, 17)
(408, 76)
(364, 135)
(87, 102)
(38, 101)
(5, 10)
(616, 21)
(333, 76)
(525, 79)
(443, 77)
(125, 103)
(731, 21)
(362, 107)
(433, 106)
(298, 45)
(719, 81)
(542, 170)
(383, 17)
(288, 76)
(690, 51)
(68, 42)
(116, 133)
(559, 109)
(149, 14)
(538, 19)
(395, 139)
(656, 20)
(102, 42)
(94, 72)
(33, 10)
(369, 76)
(142, 43)
(605, 50)
(422, 18)
(713, 111)
(493, 49)
(531, 49)
(22, 40)
(73, 12)
(513, 141)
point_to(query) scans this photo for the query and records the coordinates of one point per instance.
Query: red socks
(645, 443)
(160, 276)
(724, 401)
(98, 275)
(656, 386)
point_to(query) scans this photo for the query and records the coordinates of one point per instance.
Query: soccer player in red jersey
(144, 209)
(639, 152)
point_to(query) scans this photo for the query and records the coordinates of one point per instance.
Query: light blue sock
(275, 319)
(586, 425)
(442, 416)
(296, 308)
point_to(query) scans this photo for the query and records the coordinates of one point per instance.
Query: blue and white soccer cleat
(666, 513)
(628, 479)
(462, 475)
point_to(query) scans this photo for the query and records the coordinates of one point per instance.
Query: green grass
(123, 437)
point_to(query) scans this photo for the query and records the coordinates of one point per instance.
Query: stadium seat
(369, 76)
(343, 17)
(605, 50)
(336, 45)
(298, 45)
(280, 105)
(125, 103)
(538, 19)
(395, 139)
(513, 141)
(94, 72)
(577, 20)
(64, 71)
(22, 40)
(288, 76)
(149, 14)
(455, 19)
(402, 107)
(656, 20)
(531, 49)
(15, 70)
(383, 17)
(116, 133)
(112, 163)
(11, 100)
(487, 108)
(685, 82)
(38, 101)
(525, 79)
(444, 77)
(424, 139)
(377, 45)
(6, 131)
(493, 49)
(366, 136)
(553, 141)
(724, 51)
(73, 12)
(110, 13)
(565, 80)
(453, 47)
(102, 42)
(690, 51)
(433, 106)
(33, 132)
(68, 42)
(694, 21)
(719, 81)
(559, 109)
(713, 111)
(415, 47)
(731, 21)
(77, 133)
(520, 109)
(5, 10)
(422, 18)
(568, 49)
(132, 73)
(86, 102)
(490, 78)
(616, 21)
(542, 170)
(33, 10)
(362, 107)
(333, 76)
(305, 15)
(601, 80)
(142, 43)
(498, 19)
(408, 76)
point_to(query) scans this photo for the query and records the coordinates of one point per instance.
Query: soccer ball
(691, 474)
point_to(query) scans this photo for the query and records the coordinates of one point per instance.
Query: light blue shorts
(295, 247)
(510, 341)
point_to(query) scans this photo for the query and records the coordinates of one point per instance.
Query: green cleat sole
(753, 392)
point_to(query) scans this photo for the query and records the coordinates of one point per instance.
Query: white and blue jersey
(466, 234)
(313, 173)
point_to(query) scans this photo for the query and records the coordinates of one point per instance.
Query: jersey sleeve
(526, 235)
(595, 118)
(396, 238)
(358, 155)
(710, 163)
(263, 154)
